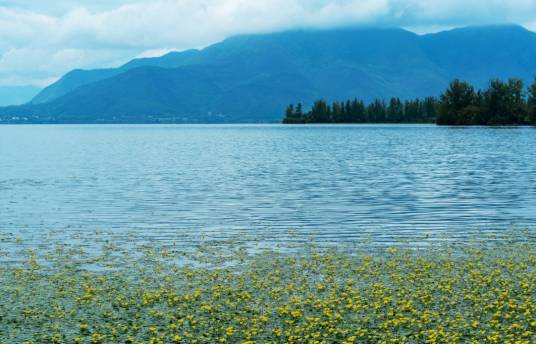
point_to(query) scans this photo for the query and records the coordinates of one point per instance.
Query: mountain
(16, 95)
(252, 78)
(480, 53)
(78, 77)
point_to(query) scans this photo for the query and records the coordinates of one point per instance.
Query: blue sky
(41, 40)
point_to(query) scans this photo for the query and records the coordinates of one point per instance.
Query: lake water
(333, 182)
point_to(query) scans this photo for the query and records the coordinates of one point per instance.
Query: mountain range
(252, 78)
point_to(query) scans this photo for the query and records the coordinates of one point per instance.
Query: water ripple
(333, 182)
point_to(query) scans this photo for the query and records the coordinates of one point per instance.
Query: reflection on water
(333, 182)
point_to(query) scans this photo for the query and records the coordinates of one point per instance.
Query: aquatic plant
(242, 292)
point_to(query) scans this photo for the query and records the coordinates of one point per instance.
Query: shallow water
(332, 182)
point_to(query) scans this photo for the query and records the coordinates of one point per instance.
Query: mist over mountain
(16, 95)
(252, 78)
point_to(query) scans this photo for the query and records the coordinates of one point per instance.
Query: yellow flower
(295, 314)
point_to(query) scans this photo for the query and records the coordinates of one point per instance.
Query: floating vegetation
(247, 292)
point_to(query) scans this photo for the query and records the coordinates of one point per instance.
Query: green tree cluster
(502, 103)
(356, 111)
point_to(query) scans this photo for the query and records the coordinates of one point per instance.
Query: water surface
(334, 182)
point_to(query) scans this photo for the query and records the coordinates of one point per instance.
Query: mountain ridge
(251, 78)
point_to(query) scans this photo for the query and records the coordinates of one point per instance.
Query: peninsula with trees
(501, 103)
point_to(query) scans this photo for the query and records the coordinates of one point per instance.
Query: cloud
(466, 12)
(43, 39)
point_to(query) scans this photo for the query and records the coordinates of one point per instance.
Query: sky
(42, 40)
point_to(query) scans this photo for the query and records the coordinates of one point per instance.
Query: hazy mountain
(16, 95)
(252, 78)
(79, 77)
(480, 53)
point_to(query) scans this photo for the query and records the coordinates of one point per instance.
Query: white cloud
(15, 80)
(155, 52)
(44, 39)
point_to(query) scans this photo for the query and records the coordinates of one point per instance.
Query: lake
(332, 182)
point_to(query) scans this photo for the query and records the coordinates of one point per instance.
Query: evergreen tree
(290, 111)
(518, 106)
(395, 111)
(480, 115)
(289, 114)
(503, 102)
(320, 113)
(358, 112)
(412, 110)
(294, 117)
(457, 104)
(377, 111)
(299, 111)
(337, 112)
(532, 103)
(347, 118)
(429, 109)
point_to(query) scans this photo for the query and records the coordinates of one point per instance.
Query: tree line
(356, 111)
(502, 103)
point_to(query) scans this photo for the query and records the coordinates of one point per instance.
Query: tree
(294, 116)
(290, 111)
(412, 110)
(395, 111)
(358, 112)
(320, 113)
(518, 107)
(429, 107)
(457, 104)
(504, 102)
(377, 111)
(479, 115)
(299, 111)
(501, 103)
(289, 114)
(337, 112)
(532, 103)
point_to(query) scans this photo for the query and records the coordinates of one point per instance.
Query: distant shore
(502, 103)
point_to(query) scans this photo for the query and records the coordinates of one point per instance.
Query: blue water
(334, 182)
